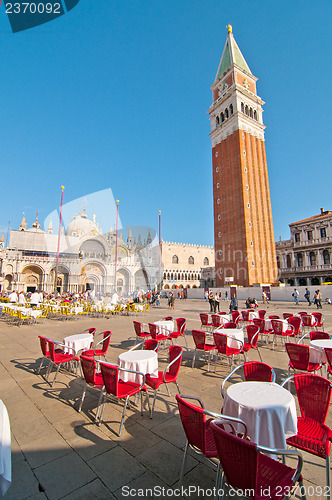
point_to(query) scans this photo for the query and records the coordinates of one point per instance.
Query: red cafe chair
(199, 338)
(46, 353)
(244, 318)
(278, 331)
(216, 320)
(235, 316)
(261, 314)
(205, 324)
(159, 337)
(246, 467)
(307, 321)
(287, 315)
(101, 348)
(229, 324)
(168, 376)
(254, 371)
(319, 319)
(261, 323)
(299, 358)
(252, 334)
(180, 330)
(295, 322)
(313, 435)
(116, 388)
(58, 357)
(140, 333)
(220, 340)
(92, 378)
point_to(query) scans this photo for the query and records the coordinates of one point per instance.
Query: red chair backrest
(199, 338)
(238, 458)
(314, 395)
(220, 340)
(110, 374)
(151, 345)
(274, 316)
(257, 371)
(169, 318)
(276, 326)
(306, 320)
(286, 315)
(319, 335)
(193, 422)
(51, 349)
(138, 328)
(230, 324)
(174, 351)
(302, 313)
(298, 355)
(181, 325)
(295, 321)
(251, 332)
(261, 314)
(216, 320)
(43, 345)
(153, 330)
(89, 369)
(245, 315)
(106, 342)
(319, 318)
(260, 323)
(235, 316)
(204, 319)
(222, 313)
(92, 331)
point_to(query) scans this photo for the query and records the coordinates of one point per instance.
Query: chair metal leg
(183, 465)
(99, 403)
(177, 386)
(123, 414)
(154, 401)
(260, 357)
(168, 390)
(82, 399)
(56, 374)
(192, 366)
(40, 366)
(148, 399)
(102, 411)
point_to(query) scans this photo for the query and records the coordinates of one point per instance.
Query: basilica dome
(81, 225)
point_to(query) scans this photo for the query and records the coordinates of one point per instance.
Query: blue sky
(114, 95)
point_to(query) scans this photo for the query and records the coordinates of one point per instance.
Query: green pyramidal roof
(231, 55)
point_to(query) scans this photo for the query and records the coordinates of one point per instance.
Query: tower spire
(23, 226)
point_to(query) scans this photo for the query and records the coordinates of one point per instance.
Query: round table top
(258, 395)
(78, 336)
(137, 355)
(321, 343)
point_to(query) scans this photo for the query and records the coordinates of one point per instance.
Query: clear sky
(115, 95)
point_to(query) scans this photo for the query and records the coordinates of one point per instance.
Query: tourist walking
(296, 294)
(307, 296)
(217, 302)
(318, 299)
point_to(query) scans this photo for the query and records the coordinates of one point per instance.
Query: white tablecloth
(139, 361)
(253, 315)
(165, 327)
(235, 334)
(285, 324)
(317, 353)
(79, 342)
(5, 450)
(268, 410)
(225, 318)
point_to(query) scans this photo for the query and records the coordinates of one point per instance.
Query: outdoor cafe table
(268, 410)
(5, 450)
(235, 334)
(225, 318)
(285, 324)
(79, 342)
(165, 326)
(317, 351)
(140, 361)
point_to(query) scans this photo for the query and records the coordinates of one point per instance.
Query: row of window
(224, 115)
(297, 236)
(182, 276)
(248, 111)
(191, 260)
(300, 259)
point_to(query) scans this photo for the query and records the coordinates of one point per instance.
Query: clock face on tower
(223, 89)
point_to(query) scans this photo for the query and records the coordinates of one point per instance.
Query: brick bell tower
(243, 226)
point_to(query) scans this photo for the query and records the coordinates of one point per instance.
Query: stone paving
(58, 453)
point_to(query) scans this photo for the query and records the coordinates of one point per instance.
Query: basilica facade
(86, 259)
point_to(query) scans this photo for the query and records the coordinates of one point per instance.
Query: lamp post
(58, 250)
(116, 243)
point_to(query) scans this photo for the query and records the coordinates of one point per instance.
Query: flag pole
(160, 280)
(58, 250)
(116, 243)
